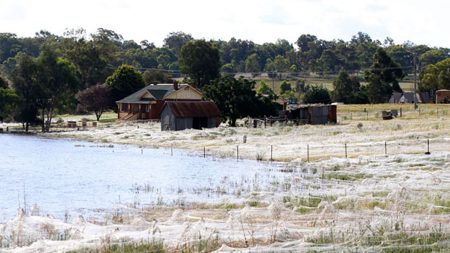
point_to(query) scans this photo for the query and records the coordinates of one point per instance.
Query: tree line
(48, 73)
(98, 54)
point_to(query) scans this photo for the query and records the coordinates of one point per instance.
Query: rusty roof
(186, 109)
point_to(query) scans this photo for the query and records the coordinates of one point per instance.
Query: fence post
(271, 149)
(428, 147)
(345, 145)
(204, 152)
(171, 150)
(400, 112)
(307, 152)
(367, 117)
(385, 148)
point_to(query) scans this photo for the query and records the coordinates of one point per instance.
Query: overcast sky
(422, 22)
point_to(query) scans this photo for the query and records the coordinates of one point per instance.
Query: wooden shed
(443, 96)
(314, 114)
(180, 115)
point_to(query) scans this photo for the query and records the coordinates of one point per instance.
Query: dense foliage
(201, 61)
(8, 99)
(348, 90)
(436, 76)
(124, 81)
(383, 77)
(236, 98)
(43, 84)
(317, 95)
(96, 98)
(97, 55)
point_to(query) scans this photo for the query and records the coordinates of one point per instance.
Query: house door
(199, 123)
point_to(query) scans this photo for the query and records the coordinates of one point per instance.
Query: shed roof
(158, 91)
(185, 109)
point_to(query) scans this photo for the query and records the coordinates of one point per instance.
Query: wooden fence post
(204, 152)
(307, 152)
(385, 148)
(271, 151)
(428, 147)
(345, 145)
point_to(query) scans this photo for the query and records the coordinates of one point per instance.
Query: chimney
(175, 85)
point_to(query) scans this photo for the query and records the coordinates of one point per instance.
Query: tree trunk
(98, 114)
(43, 120)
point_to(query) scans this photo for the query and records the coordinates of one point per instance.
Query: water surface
(71, 176)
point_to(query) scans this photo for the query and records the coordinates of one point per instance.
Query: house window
(147, 108)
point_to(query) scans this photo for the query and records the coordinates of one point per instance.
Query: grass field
(327, 83)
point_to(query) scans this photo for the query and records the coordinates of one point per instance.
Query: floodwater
(65, 176)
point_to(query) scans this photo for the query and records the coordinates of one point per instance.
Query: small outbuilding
(443, 96)
(180, 115)
(314, 114)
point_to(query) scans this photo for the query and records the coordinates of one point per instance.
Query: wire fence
(371, 114)
(312, 152)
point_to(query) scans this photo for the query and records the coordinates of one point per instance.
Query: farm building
(313, 114)
(147, 102)
(180, 115)
(427, 97)
(404, 98)
(442, 96)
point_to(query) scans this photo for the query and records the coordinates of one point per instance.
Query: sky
(419, 21)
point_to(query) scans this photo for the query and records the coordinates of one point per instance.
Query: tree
(200, 60)
(124, 81)
(91, 61)
(432, 56)
(58, 82)
(347, 89)
(9, 46)
(285, 87)
(281, 64)
(236, 98)
(364, 48)
(176, 40)
(435, 76)
(8, 99)
(383, 77)
(155, 76)
(265, 91)
(316, 95)
(96, 98)
(252, 64)
(24, 79)
(342, 87)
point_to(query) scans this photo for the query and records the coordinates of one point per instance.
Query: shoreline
(281, 143)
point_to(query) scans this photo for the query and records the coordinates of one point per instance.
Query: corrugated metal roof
(184, 109)
(159, 91)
